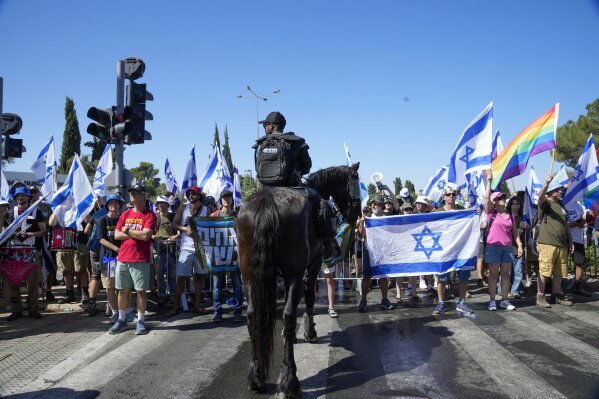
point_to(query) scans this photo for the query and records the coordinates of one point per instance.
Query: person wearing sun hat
(554, 242)
(165, 238)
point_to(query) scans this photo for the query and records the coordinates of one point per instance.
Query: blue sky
(397, 81)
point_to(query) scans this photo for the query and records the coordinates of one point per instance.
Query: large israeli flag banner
(420, 244)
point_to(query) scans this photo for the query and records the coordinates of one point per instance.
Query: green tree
(572, 136)
(227, 151)
(97, 149)
(89, 165)
(371, 190)
(216, 136)
(410, 187)
(145, 174)
(71, 138)
(397, 185)
(248, 186)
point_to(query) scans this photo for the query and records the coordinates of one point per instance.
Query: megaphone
(377, 178)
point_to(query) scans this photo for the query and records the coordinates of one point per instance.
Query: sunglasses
(451, 195)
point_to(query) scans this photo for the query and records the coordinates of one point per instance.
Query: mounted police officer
(281, 160)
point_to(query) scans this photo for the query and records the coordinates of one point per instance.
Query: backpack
(274, 161)
(93, 244)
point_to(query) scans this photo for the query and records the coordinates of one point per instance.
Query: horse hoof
(256, 387)
(311, 340)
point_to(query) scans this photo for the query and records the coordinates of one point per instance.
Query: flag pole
(552, 160)
(513, 185)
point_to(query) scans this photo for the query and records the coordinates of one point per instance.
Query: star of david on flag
(434, 187)
(585, 176)
(420, 244)
(104, 169)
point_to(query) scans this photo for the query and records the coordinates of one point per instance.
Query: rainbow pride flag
(538, 137)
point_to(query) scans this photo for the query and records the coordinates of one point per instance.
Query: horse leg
(256, 381)
(310, 335)
(289, 386)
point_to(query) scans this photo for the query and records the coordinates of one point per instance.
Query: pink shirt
(501, 230)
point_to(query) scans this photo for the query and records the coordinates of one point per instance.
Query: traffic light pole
(119, 150)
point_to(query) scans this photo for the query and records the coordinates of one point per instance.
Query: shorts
(463, 275)
(132, 275)
(329, 270)
(72, 261)
(499, 254)
(107, 282)
(578, 256)
(552, 260)
(366, 269)
(94, 258)
(188, 263)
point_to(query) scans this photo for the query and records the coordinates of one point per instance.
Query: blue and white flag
(22, 218)
(75, 199)
(216, 177)
(237, 199)
(474, 149)
(435, 185)
(103, 170)
(497, 145)
(584, 177)
(533, 185)
(476, 188)
(562, 177)
(170, 180)
(3, 186)
(45, 168)
(420, 244)
(190, 178)
(528, 207)
(363, 190)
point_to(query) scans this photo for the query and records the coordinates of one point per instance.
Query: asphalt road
(405, 352)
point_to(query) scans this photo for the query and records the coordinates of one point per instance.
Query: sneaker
(237, 318)
(218, 317)
(386, 304)
(560, 300)
(492, 305)
(432, 292)
(14, 316)
(440, 309)
(505, 304)
(462, 307)
(69, 297)
(141, 328)
(409, 291)
(114, 318)
(91, 308)
(119, 326)
(50, 297)
(542, 302)
(363, 306)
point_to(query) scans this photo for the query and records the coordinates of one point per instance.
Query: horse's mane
(318, 179)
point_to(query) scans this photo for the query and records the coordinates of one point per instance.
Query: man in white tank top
(187, 264)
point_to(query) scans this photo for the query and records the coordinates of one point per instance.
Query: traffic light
(11, 148)
(106, 127)
(135, 114)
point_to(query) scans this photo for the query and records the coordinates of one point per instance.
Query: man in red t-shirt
(134, 228)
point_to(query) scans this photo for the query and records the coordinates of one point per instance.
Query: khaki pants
(33, 280)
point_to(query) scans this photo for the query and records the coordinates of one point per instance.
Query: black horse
(277, 237)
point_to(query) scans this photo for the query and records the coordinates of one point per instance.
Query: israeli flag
(528, 207)
(170, 180)
(190, 178)
(476, 188)
(474, 149)
(584, 177)
(363, 190)
(103, 170)
(237, 200)
(45, 167)
(216, 177)
(420, 244)
(75, 199)
(534, 185)
(3, 186)
(435, 185)
(22, 218)
(497, 145)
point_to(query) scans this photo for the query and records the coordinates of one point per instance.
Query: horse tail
(263, 273)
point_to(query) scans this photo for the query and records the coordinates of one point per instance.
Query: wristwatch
(127, 231)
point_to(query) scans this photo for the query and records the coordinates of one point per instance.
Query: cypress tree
(227, 152)
(71, 138)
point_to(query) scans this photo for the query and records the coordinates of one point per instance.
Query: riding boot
(330, 249)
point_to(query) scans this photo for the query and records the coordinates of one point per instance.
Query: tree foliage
(227, 152)
(97, 149)
(398, 185)
(71, 138)
(216, 136)
(371, 190)
(410, 187)
(145, 174)
(572, 136)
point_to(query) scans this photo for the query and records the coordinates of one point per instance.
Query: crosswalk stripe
(514, 377)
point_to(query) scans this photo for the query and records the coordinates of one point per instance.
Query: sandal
(333, 313)
(171, 313)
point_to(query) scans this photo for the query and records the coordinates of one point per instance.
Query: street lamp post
(258, 98)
